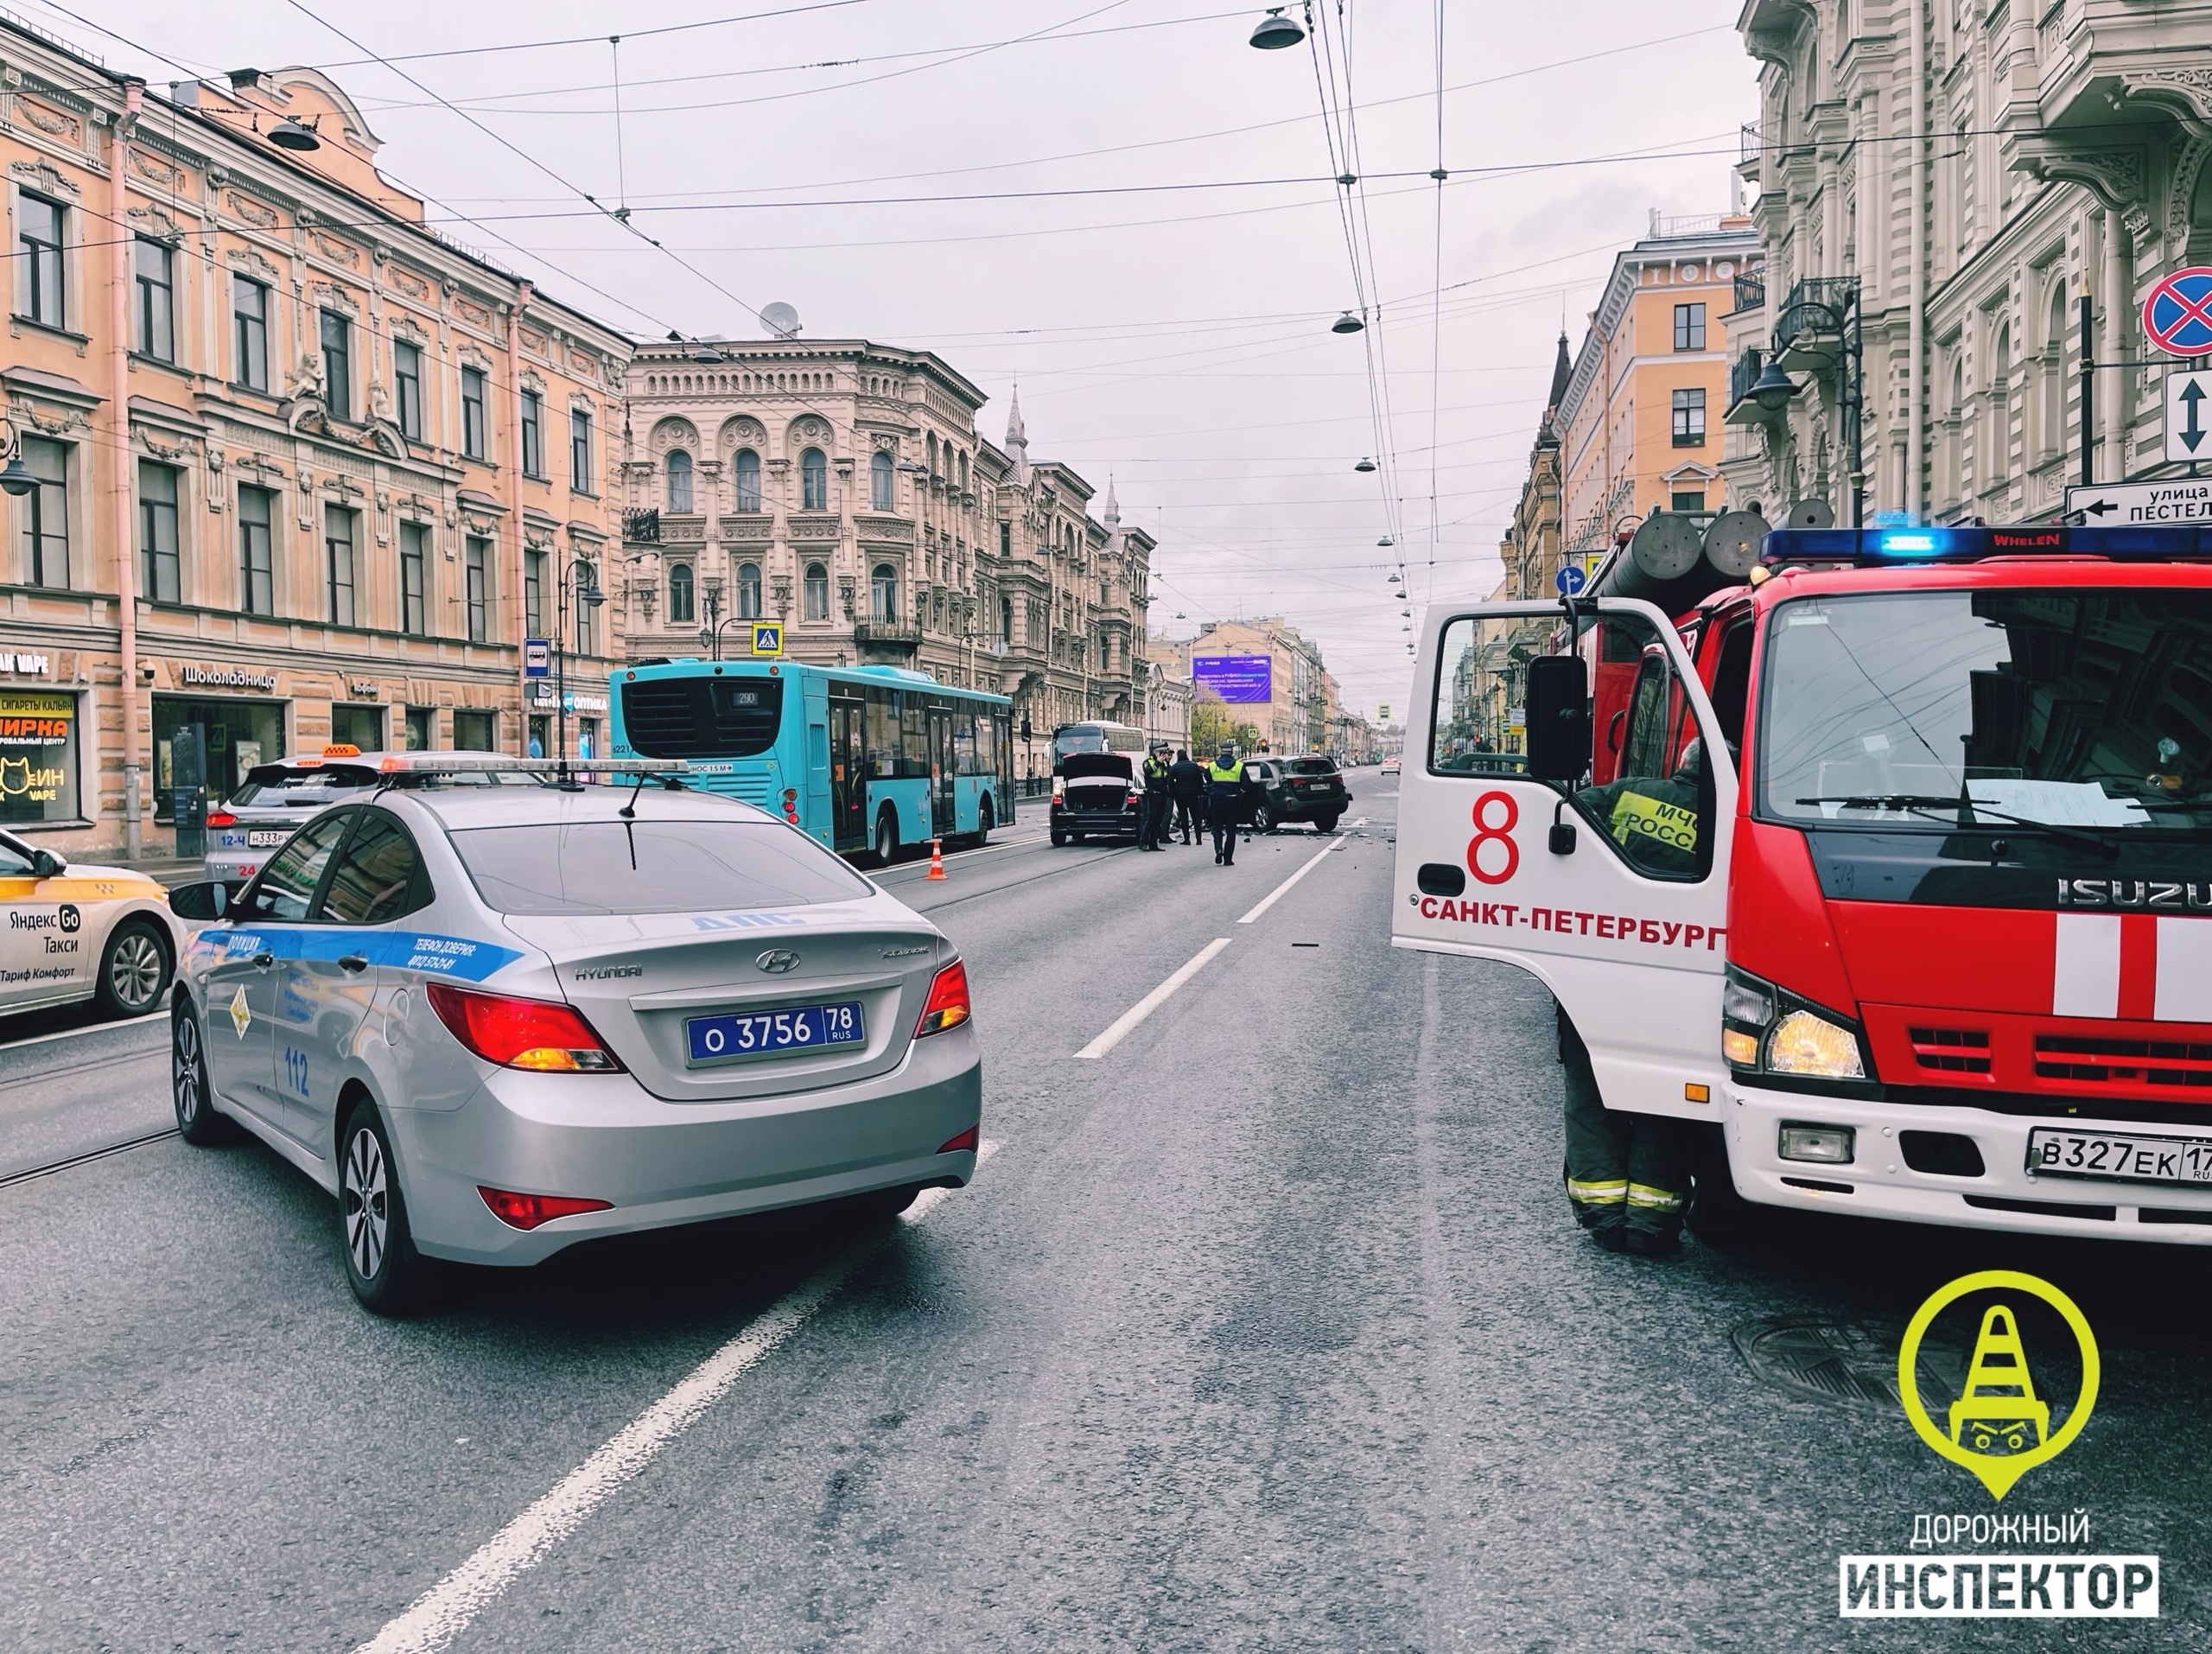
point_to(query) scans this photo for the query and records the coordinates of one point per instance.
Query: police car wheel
(134, 971)
(197, 1122)
(382, 1265)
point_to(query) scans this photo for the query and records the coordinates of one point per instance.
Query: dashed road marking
(1151, 1002)
(1280, 890)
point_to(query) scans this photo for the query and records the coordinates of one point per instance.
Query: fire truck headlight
(1803, 1043)
(1739, 1048)
(1745, 1000)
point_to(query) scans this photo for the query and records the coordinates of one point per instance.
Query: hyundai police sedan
(71, 932)
(251, 825)
(493, 1021)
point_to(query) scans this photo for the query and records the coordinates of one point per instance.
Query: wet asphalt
(1267, 1330)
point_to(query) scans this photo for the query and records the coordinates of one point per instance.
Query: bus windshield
(2088, 710)
(1095, 738)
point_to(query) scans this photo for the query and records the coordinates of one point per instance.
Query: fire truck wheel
(1717, 1215)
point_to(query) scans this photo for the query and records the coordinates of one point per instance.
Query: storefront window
(238, 735)
(38, 756)
(541, 738)
(358, 726)
(422, 722)
(474, 732)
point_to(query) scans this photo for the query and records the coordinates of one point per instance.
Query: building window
(879, 481)
(249, 334)
(580, 476)
(1686, 500)
(749, 591)
(1005, 620)
(1006, 539)
(414, 572)
(679, 593)
(157, 301)
(533, 593)
(40, 224)
(813, 481)
(474, 732)
(477, 570)
(533, 433)
(679, 480)
(1689, 327)
(257, 550)
(817, 592)
(407, 374)
(883, 593)
(748, 479)
(1689, 417)
(338, 365)
(587, 622)
(471, 413)
(46, 513)
(162, 568)
(338, 563)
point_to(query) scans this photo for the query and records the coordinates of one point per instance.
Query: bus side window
(882, 733)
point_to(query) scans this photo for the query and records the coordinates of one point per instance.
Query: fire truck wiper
(1956, 810)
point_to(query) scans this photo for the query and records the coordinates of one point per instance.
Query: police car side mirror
(1558, 714)
(207, 901)
(45, 864)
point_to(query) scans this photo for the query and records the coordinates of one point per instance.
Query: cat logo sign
(767, 637)
(2000, 1429)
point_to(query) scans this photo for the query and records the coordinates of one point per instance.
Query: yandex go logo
(1496, 814)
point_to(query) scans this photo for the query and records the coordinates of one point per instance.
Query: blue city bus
(863, 758)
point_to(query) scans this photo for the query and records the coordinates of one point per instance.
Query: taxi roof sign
(1904, 547)
(340, 749)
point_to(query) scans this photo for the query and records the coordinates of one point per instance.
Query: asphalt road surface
(1266, 1328)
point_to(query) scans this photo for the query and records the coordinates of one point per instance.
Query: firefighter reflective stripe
(1609, 1193)
(1642, 1195)
(1636, 816)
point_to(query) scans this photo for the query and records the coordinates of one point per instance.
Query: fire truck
(1887, 861)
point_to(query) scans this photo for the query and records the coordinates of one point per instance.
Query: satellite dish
(781, 320)
(1810, 513)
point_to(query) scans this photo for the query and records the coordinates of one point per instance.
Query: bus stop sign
(768, 638)
(2178, 316)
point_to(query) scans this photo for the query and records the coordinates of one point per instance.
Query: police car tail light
(222, 818)
(529, 1210)
(543, 1035)
(948, 1006)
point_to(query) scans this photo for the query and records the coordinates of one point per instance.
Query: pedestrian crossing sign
(768, 638)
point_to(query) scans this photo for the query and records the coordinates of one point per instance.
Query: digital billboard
(1240, 680)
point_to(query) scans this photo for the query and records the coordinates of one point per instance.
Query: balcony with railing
(1750, 293)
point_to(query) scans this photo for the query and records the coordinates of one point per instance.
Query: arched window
(679, 480)
(1997, 449)
(748, 479)
(963, 474)
(1006, 620)
(2054, 376)
(1954, 436)
(932, 452)
(817, 592)
(749, 591)
(813, 481)
(879, 481)
(883, 593)
(679, 593)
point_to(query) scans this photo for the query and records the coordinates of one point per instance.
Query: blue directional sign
(1570, 579)
(2178, 314)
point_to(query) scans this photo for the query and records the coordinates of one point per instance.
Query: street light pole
(588, 595)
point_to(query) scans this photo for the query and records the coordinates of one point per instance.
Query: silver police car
(496, 1020)
(272, 799)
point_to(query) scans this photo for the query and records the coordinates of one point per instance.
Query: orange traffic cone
(936, 861)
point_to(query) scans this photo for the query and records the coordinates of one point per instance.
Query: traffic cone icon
(937, 860)
(1993, 1412)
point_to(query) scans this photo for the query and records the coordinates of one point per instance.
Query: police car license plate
(2104, 1155)
(775, 1033)
(267, 838)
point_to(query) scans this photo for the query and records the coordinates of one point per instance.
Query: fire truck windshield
(2086, 710)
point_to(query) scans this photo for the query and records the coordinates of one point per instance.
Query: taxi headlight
(1803, 1043)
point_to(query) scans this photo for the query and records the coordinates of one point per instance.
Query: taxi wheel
(134, 971)
(197, 1122)
(382, 1265)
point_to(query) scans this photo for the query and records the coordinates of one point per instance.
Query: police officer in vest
(1224, 802)
(1628, 1175)
(1153, 822)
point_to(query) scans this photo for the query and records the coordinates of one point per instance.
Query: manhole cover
(1835, 1361)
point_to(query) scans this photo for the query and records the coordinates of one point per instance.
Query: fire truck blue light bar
(1903, 546)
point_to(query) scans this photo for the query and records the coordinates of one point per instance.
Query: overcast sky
(1167, 316)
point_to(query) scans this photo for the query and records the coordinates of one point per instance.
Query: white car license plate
(2106, 1155)
(267, 838)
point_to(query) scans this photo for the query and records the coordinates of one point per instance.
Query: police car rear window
(651, 867)
(282, 786)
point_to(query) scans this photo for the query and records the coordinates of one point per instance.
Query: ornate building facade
(840, 488)
(306, 470)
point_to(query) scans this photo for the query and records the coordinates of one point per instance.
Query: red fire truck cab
(1891, 867)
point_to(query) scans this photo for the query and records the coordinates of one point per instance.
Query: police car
(81, 931)
(496, 1020)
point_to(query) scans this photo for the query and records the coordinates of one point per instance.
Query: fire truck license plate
(2137, 1159)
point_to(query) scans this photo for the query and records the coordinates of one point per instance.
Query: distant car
(76, 931)
(276, 800)
(1390, 767)
(1294, 789)
(493, 1021)
(1095, 795)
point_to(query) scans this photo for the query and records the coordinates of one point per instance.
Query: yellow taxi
(71, 933)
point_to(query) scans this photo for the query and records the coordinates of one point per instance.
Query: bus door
(945, 801)
(847, 776)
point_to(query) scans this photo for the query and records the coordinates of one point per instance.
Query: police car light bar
(1902, 547)
(502, 763)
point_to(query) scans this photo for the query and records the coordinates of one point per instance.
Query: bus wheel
(887, 837)
(985, 823)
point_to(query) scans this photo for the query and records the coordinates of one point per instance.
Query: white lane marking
(1151, 1002)
(95, 1028)
(1277, 893)
(443, 1612)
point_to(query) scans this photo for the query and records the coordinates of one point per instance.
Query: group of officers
(1199, 795)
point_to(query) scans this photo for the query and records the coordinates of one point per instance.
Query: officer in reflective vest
(1224, 802)
(1153, 823)
(1628, 1175)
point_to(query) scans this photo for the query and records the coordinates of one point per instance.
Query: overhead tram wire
(1435, 313)
(583, 40)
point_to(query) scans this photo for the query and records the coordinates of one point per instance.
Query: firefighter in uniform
(1628, 1175)
(1224, 802)
(1152, 823)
